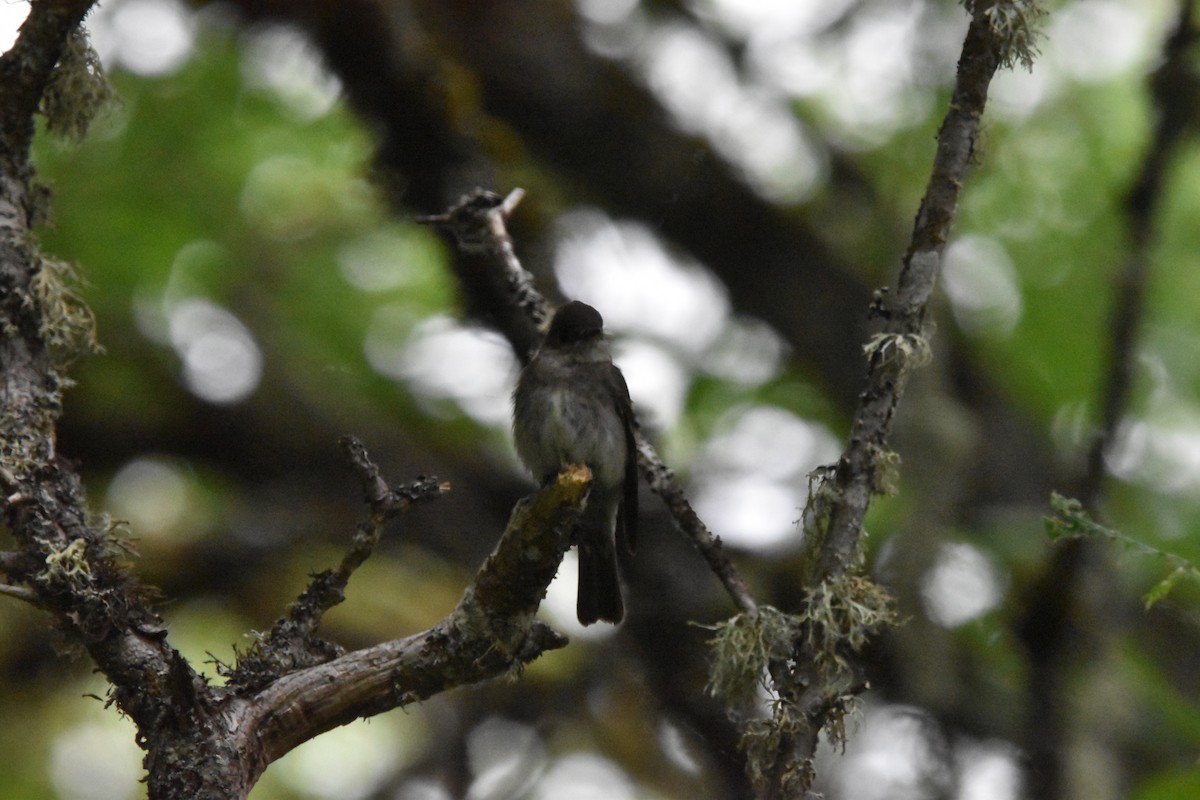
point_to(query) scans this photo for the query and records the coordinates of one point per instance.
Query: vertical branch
(1048, 629)
(1174, 87)
(72, 567)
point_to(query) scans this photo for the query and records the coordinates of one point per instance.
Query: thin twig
(19, 593)
(661, 480)
(292, 642)
(478, 223)
(385, 502)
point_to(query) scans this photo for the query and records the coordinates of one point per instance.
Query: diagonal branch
(817, 680)
(857, 475)
(19, 593)
(26, 69)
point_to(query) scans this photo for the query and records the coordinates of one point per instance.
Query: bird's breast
(561, 422)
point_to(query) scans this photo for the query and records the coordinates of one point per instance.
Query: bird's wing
(628, 513)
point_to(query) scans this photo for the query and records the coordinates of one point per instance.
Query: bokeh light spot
(961, 585)
(222, 362)
(96, 761)
(150, 494)
(147, 37)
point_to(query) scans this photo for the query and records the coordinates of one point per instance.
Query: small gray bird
(572, 406)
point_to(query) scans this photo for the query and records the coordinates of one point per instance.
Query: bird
(571, 405)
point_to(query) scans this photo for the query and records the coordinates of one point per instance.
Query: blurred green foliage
(198, 184)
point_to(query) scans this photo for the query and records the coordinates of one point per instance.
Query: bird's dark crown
(574, 322)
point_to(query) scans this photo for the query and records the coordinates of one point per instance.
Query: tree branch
(74, 569)
(490, 632)
(291, 643)
(1175, 89)
(903, 343)
(817, 680)
(19, 593)
(26, 69)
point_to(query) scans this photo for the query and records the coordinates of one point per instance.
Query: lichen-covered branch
(72, 565)
(856, 477)
(27, 70)
(817, 682)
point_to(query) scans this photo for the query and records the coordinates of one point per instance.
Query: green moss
(77, 89)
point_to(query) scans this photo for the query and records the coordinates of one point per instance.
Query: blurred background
(727, 181)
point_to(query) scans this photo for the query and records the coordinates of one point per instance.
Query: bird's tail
(599, 587)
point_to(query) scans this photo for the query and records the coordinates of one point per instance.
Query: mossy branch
(817, 679)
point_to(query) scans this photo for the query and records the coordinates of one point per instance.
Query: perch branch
(491, 632)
